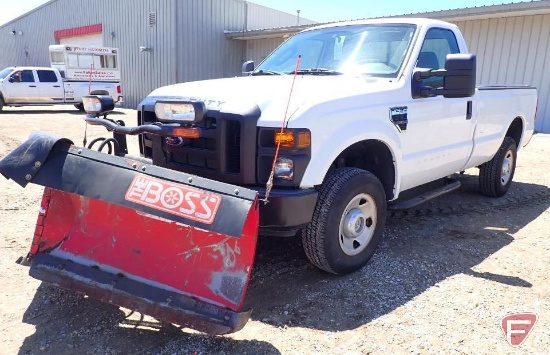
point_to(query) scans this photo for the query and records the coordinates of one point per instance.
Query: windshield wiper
(317, 71)
(266, 72)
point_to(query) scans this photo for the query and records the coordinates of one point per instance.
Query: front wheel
(1, 103)
(495, 176)
(79, 107)
(347, 223)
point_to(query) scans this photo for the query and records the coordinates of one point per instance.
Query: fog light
(97, 104)
(284, 169)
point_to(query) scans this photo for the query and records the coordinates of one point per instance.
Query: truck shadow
(421, 248)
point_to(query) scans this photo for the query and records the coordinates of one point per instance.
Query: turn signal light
(304, 139)
(285, 139)
(185, 132)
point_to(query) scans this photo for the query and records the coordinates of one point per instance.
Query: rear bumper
(141, 296)
(287, 211)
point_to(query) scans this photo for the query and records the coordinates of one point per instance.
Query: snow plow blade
(167, 244)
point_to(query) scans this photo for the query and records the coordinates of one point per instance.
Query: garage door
(90, 40)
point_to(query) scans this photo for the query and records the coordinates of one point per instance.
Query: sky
(318, 10)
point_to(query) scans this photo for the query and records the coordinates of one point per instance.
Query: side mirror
(459, 78)
(248, 67)
(14, 79)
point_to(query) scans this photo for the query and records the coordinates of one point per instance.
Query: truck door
(21, 87)
(439, 134)
(50, 86)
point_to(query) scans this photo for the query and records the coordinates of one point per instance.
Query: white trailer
(85, 63)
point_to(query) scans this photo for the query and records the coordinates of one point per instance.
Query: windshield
(4, 73)
(376, 50)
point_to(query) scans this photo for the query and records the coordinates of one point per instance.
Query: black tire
(79, 107)
(495, 176)
(324, 239)
(1, 103)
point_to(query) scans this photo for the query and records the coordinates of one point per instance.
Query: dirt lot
(444, 276)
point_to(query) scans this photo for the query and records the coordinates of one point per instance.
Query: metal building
(160, 42)
(511, 42)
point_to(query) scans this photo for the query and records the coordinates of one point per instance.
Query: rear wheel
(495, 176)
(347, 222)
(79, 107)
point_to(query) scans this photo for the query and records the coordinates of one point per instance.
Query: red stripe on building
(78, 31)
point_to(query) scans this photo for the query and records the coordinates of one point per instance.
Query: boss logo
(177, 199)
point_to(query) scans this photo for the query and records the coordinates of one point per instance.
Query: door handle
(32, 86)
(469, 110)
(56, 86)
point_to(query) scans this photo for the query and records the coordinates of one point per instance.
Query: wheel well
(373, 156)
(515, 130)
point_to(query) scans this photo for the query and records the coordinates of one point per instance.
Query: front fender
(324, 152)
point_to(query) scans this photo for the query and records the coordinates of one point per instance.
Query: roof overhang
(279, 32)
(465, 14)
(486, 12)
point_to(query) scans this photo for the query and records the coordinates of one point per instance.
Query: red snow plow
(168, 244)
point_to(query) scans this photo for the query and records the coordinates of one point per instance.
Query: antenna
(269, 184)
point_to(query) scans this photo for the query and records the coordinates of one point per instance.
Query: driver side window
(26, 76)
(438, 43)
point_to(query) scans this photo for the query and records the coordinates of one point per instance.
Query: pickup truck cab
(22, 86)
(336, 124)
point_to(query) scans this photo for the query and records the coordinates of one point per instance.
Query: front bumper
(287, 211)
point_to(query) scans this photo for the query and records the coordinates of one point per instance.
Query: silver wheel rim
(357, 224)
(507, 166)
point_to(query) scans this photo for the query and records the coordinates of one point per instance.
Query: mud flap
(174, 246)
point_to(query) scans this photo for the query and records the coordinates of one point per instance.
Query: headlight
(284, 169)
(98, 104)
(180, 112)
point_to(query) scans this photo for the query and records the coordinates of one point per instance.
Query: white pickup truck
(328, 131)
(345, 117)
(22, 86)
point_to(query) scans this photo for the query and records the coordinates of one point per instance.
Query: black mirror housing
(459, 78)
(248, 67)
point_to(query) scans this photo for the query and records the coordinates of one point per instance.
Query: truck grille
(233, 147)
(217, 154)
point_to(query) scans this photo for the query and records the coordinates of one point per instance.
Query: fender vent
(398, 116)
(152, 19)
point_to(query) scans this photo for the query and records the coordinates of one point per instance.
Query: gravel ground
(443, 277)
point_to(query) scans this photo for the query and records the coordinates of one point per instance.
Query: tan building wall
(513, 51)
